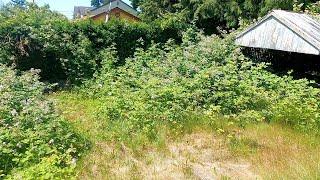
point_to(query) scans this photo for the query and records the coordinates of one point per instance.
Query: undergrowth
(204, 77)
(160, 93)
(35, 141)
(274, 151)
(163, 93)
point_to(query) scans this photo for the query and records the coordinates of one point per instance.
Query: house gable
(113, 8)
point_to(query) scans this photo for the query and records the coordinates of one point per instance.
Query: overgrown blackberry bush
(34, 141)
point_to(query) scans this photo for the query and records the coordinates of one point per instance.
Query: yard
(263, 151)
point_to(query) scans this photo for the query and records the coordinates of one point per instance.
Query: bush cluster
(170, 84)
(34, 141)
(35, 37)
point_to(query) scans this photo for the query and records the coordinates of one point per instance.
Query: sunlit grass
(278, 152)
(274, 151)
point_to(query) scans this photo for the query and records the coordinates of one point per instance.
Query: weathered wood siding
(125, 11)
(273, 34)
(285, 31)
(121, 14)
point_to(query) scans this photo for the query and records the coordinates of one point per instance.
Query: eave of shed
(286, 31)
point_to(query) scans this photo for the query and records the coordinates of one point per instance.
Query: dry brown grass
(195, 156)
(279, 152)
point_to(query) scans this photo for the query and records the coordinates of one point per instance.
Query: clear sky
(63, 6)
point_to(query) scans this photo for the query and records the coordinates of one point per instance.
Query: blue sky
(63, 6)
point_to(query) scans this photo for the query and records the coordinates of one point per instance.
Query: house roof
(112, 5)
(80, 11)
(283, 30)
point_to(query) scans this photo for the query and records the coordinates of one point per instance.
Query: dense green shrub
(35, 142)
(127, 37)
(170, 84)
(35, 37)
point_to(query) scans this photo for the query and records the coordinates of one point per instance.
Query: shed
(284, 31)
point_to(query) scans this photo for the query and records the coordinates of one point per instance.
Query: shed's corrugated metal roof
(305, 26)
(112, 5)
(302, 24)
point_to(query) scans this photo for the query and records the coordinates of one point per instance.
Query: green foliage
(314, 8)
(209, 14)
(126, 37)
(135, 3)
(35, 142)
(97, 3)
(35, 37)
(209, 79)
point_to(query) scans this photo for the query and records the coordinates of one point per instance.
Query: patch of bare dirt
(196, 156)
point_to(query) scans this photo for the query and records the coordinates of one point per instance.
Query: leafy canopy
(36, 37)
(209, 14)
(98, 3)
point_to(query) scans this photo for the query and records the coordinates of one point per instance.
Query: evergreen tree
(135, 3)
(209, 14)
(98, 3)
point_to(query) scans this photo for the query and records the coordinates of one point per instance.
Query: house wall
(100, 17)
(115, 13)
(118, 13)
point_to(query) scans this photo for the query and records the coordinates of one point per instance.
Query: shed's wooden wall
(272, 34)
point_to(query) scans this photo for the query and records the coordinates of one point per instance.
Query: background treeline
(209, 14)
(35, 37)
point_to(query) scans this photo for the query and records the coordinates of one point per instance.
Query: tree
(135, 3)
(98, 3)
(209, 14)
